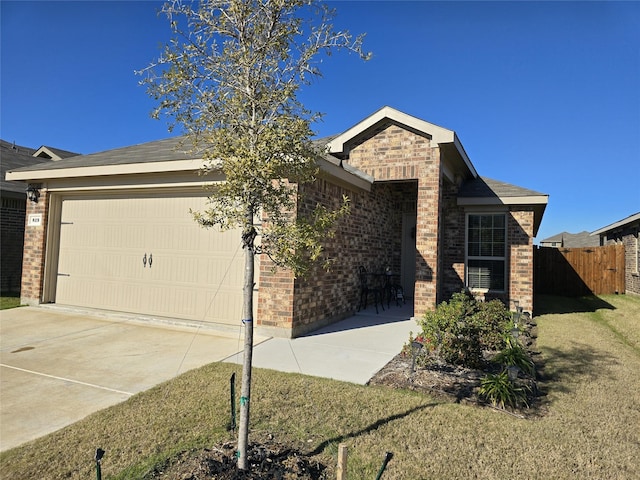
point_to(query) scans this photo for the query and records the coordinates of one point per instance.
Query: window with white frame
(486, 251)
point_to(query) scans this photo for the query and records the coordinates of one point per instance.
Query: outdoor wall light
(33, 192)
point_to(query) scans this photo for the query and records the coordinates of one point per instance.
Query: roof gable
(51, 153)
(340, 145)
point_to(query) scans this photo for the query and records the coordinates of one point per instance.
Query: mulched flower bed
(457, 384)
(267, 459)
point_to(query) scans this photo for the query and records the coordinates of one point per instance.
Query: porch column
(427, 228)
(35, 235)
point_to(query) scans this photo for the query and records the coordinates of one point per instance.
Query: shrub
(460, 330)
(501, 391)
(495, 322)
(515, 355)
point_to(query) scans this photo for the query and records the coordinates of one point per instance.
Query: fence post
(232, 381)
(342, 462)
(98, 458)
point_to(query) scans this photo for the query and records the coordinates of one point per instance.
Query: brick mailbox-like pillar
(34, 249)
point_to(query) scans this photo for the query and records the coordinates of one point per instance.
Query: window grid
(486, 251)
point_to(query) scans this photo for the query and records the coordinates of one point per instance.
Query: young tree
(230, 77)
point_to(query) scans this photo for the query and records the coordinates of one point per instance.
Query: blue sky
(545, 95)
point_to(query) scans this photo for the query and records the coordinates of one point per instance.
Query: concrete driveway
(56, 367)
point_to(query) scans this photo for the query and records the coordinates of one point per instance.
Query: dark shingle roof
(483, 187)
(573, 240)
(14, 157)
(156, 151)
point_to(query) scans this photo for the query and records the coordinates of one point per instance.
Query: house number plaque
(35, 220)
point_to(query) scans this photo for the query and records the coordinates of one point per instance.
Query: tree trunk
(247, 319)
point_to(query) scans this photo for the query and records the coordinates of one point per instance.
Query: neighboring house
(625, 232)
(571, 240)
(12, 214)
(117, 233)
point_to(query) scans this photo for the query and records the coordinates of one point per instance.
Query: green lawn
(591, 430)
(9, 301)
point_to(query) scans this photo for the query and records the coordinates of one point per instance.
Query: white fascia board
(343, 176)
(46, 151)
(437, 134)
(618, 224)
(526, 200)
(463, 154)
(106, 170)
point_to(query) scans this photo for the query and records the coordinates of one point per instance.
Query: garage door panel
(196, 273)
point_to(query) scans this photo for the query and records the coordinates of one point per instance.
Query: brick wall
(519, 256)
(34, 252)
(453, 243)
(368, 236)
(398, 154)
(12, 213)
(520, 245)
(629, 236)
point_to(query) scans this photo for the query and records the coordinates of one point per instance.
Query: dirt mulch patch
(450, 383)
(267, 459)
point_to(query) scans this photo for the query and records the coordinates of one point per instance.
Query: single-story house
(113, 231)
(627, 233)
(13, 197)
(571, 240)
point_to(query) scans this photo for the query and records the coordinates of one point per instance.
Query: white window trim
(504, 258)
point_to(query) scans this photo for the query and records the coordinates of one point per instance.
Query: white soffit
(524, 200)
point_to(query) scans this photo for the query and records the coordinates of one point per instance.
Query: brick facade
(452, 254)
(13, 217)
(520, 258)
(368, 236)
(396, 154)
(629, 236)
(405, 167)
(409, 184)
(519, 252)
(34, 252)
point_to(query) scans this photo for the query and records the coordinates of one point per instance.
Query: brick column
(427, 229)
(520, 235)
(34, 250)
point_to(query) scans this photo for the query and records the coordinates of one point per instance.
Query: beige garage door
(145, 254)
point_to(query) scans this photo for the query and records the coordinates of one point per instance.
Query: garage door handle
(144, 260)
(150, 259)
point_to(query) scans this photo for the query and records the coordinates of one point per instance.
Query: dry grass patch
(590, 430)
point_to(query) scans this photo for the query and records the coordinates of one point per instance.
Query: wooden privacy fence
(574, 272)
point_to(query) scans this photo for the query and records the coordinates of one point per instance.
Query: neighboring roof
(53, 153)
(156, 151)
(621, 223)
(12, 157)
(573, 240)
(341, 145)
(483, 191)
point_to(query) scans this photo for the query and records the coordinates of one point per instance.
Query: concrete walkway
(58, 365)
(352, 350)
